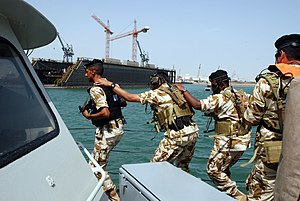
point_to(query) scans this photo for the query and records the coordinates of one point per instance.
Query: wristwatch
(113, 85)
(183, 90)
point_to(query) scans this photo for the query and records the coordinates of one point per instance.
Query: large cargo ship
(69, 74)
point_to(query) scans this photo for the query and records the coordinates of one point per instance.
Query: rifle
(85, 105)
(211, 116)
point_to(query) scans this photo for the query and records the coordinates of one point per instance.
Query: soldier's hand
(86, 114)
(105, 82)
(179, 86)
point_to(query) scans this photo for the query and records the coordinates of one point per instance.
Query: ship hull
(72, 75)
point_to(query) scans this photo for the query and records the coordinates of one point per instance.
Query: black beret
(219, 76)
(95, 61)
(288, 40)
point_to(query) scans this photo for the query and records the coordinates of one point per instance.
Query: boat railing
(97, 168)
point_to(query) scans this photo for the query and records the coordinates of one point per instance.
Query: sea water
(140, 140)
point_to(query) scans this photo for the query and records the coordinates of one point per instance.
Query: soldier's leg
(170, 149)
(261, 182)
(217, 168)
(112, 195)
(110, 189)
(113, 133)
(165, 150)
(184, 158)
(113, 136)
(100, 153)
(235, 156)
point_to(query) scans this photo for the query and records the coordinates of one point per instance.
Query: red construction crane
(108, 33)
(134, 34)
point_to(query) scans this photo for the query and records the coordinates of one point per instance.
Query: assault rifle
(85, 105)
(209, 120)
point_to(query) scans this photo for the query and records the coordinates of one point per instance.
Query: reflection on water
(140, 141)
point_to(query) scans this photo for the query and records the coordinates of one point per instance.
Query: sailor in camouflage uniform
(104, 110)
(174, 117)
(232, 137)
(266, 109)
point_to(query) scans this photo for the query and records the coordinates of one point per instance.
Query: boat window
(26, 121)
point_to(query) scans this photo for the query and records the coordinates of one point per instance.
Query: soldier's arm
(256, 107)
(126, 95)
(121, 92)
(192, 101)
(101, 114)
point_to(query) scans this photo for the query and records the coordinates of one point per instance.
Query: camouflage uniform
(176, 146)
(227, 149)
(263, 108)
(106, 138)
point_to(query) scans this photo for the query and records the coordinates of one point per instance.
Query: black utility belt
(181, 122)
(101, 122)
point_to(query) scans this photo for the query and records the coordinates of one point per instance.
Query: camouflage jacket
(225, 109)
(97, 95)
(263, 108)
(161, 100)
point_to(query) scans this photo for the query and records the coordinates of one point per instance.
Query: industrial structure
(67, 49)
(64, 74)
(134, 34)
(144, 56)
(126, 73)
(107, 37)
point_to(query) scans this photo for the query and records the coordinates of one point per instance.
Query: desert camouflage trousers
(218, 169)
(261, 181)
(178, 149)
(106, 139)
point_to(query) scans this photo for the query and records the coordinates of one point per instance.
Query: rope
(128, 130)
(139, 152)
(80, 128)
(146, 131)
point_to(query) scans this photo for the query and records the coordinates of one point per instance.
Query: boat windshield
(26, 120)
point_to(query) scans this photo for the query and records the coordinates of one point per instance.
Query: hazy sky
(234, 35)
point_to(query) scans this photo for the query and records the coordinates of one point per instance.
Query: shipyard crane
(134, 34)
(68, 50)
(143, 54)
(198, 75)
(108, 33)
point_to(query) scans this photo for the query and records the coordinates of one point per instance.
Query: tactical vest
(177, 115)
(280, 97)
(225, 127)
(114, 106)
(269, 151)
(272, 149)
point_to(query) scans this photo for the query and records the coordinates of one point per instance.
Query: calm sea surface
(140, 141)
